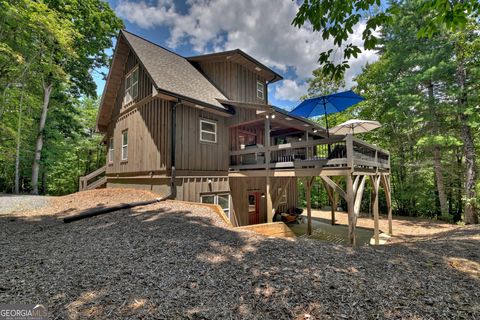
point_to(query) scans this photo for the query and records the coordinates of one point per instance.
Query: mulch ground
(175, 260)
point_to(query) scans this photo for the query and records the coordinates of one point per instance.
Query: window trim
(124, 146)
(130, 74)
(215, 201)
(111, 150)
(209, 132)
(262, 91)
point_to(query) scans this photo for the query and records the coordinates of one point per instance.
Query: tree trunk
(471, 216)
(19, 140)
(437, 164)
(437, 157)
(47, 90)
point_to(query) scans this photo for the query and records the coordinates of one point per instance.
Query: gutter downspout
(92, 212)
(173, 190)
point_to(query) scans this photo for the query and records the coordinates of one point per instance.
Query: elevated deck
(332, 156)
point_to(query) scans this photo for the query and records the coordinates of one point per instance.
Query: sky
(261, 28)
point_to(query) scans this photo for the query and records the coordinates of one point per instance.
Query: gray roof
(173, 73)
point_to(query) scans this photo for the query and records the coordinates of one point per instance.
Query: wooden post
(268, 198)
(376, 182)
(349, 146)
(267, 142)
(389, 204)
(331, 198)
(308, 185)
(351, 213)
(268, 195)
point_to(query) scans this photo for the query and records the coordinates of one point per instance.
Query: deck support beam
(385, 179)
(332, 199)
(308, 195)
(375, 190)
(268, 190)
(351, 213)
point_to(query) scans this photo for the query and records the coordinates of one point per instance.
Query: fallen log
(92, 212)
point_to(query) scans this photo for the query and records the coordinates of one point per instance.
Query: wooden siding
(190, 188)
(144, 85)
(191, 154)
(148, 139)
(158, 186)
(240, 187)
(235, 81)
(243, 115)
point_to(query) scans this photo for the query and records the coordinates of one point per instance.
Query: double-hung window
(208, 131)
(260, 90)
(222, 199)
(125, 145)
(131, 86)
(110, 150)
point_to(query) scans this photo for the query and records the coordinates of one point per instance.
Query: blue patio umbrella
(328, 104)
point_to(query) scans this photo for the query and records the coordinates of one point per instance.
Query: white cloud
(290, 90)
(262, 28)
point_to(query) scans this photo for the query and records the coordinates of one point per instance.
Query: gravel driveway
(12, 203)
(179, 261)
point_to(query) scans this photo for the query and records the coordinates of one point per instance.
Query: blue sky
(262, 28)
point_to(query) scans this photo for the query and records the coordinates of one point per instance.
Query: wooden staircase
(94, 180)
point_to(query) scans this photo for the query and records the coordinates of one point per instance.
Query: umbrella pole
(326, 123)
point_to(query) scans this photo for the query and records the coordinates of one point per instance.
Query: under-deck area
(276, 148)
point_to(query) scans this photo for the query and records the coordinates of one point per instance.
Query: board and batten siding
(193, 154)
(235, 81)
(148, 139)
(144, 85)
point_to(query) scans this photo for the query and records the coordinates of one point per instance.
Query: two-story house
(202, 128)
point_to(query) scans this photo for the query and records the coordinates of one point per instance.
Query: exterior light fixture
(273, 116)
(315, 130)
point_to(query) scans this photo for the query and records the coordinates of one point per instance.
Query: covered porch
(275, 147)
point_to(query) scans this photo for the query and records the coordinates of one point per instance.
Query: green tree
(412, 90)
(48, 50)
(337, 19)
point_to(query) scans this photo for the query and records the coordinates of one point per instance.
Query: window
(125, 145)
(208, 131)
(222, 199)
(110, 150)
(260, 90)
(131, 86)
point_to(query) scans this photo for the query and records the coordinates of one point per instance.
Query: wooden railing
(346, 151)
(93, 180)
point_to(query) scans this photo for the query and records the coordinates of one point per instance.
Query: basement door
(253, 208)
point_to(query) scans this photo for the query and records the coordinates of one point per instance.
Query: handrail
(374, 147)
(357, 152)
(304, 144)
(95, 173)
(83, 183)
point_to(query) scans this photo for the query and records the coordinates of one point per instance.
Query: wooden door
(253, 208)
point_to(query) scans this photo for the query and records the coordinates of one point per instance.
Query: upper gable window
(208, 131)
(131, 86)
(260, 90)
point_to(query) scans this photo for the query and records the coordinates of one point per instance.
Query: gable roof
(170, 73)
(173, 74)
(238, 56)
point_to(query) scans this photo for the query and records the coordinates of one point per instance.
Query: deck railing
(346, 151)
(93, 180)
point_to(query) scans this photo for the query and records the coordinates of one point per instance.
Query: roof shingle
(173, 73)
